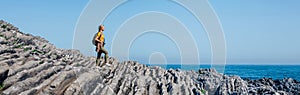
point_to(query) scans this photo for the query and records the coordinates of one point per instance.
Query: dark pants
(102, 50)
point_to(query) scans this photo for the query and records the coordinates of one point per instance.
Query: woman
(100, 45)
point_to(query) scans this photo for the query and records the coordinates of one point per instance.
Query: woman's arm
(96, 39)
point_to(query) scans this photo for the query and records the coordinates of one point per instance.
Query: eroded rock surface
(31, 65)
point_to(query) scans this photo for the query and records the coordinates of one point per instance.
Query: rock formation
(31, 65)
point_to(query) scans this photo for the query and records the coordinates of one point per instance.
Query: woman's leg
(106, 54)
(98, 58)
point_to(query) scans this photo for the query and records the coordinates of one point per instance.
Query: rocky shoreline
(31, 65)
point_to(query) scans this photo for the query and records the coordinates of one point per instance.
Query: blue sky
(256, 31)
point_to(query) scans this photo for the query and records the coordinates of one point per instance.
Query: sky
(256, 31)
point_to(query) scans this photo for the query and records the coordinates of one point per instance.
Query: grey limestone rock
(31, 65)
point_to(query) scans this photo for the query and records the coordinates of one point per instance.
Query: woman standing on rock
(100, 42)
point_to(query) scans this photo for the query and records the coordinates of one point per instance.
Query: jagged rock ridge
(31, 65)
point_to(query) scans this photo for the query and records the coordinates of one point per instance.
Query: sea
(249, 71)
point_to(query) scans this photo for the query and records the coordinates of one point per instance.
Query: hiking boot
(108, 64)
(102, 64)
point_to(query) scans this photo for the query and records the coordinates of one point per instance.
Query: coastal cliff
(31, 65)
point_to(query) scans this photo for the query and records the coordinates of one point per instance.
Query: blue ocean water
(250, 71)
